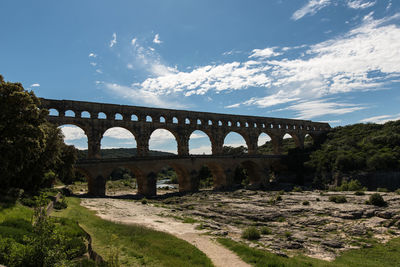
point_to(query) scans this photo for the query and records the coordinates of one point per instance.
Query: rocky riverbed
(297, 222)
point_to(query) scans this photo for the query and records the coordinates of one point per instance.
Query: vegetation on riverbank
(135, 245)
(380, 255)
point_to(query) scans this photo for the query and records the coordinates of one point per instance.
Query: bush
(397, 191)
(265, 230)
(377, 200)
(251, 233)
(382, 189)
(338, 199)
(297, 189)
(288, 234)
(359, 193)
(306, 203)
(144, 201)
(353, 185)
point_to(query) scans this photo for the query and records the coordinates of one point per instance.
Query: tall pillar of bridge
(277, 144)
(217, 144)
(252, 144)
(94, 143)
(142, 144)
(183, 145)
(147, 184)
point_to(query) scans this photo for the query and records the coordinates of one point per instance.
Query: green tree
(30, 147)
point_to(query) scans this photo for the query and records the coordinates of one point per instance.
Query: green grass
(380, 255)
(15, 221)
(137, 245)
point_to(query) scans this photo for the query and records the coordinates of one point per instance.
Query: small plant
(390, 231)
(306, 203)
(377, 200)
(338, 199)
(359, 193)
(144, 201)
(265, 230)
(278, 198)
(251, 233)
(288, 234)
(382, 189)
(317, 199)
(297, 189)
(282, 192)
(397, 191)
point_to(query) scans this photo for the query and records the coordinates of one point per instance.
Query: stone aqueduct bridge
(143, 121)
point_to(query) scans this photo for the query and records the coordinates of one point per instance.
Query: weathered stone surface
(332, 243)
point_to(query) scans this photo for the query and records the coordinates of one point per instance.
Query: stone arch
(162, 119)
(308, 140)
(70, 113)
(54, 112)
(134, 117)
(258, 177)
(118, 137)
(162, 140)
(197, 146)
(85, 115)
(264, 143)
(235, 139)
(187, 121)
(220, 180)
(175, 120)
(149, 118)
(75, 134)
(118, 117)
(101, 115)
(296, 138)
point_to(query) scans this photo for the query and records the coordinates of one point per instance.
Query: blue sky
(324, 60)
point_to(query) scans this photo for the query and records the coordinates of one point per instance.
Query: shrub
(377, 200)
(338, 199)
(288, 234)
(382, 189)
(397, 191)
(265, 230)
(144, 201)
(352, 185)
(306, 203)
(251, 233)
(359, 193)
(297, 189)
(317, 199)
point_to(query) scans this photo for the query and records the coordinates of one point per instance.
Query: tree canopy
(32, 150)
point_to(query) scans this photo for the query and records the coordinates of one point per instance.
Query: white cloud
(161, 136)
(94, 64)
(35, 85)
(381, 119)
(262, 139)
(264, 53)
(156, 39)
(72, 133)
(312, 7)
(141, 96)
(281, 97)
(114, 40)
(360, 4)
(233, 106)
(322, 107)
(118, 133)
(129, 66)
(99, 71)
(133, 41)
(92, 55)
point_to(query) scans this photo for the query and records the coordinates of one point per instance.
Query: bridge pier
(147, 185)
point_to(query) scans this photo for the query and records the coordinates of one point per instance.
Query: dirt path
(131, 212)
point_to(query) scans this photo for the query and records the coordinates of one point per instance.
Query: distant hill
(121, 153)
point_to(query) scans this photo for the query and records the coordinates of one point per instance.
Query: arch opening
(234, 144)
(198, 122)
(167, 180)
(199, 143)
(118, 142)
(85, 115)
(76, 136)
(210, 122)
(187, 121)
(120, 181)
(54, 112)
(175, 120)
(308, 141)
(69, 113)
(162, 140)
(134, 117)
(118, 117)
(264, 144)
(149, 119)
(101, 115)
(162, 119)
(288, 143)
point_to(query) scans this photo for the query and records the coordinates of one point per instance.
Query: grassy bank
(380, 255)
(136, 245)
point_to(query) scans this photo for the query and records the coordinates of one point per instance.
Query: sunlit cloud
(114, 40)
(312, 7)
(156, 39)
